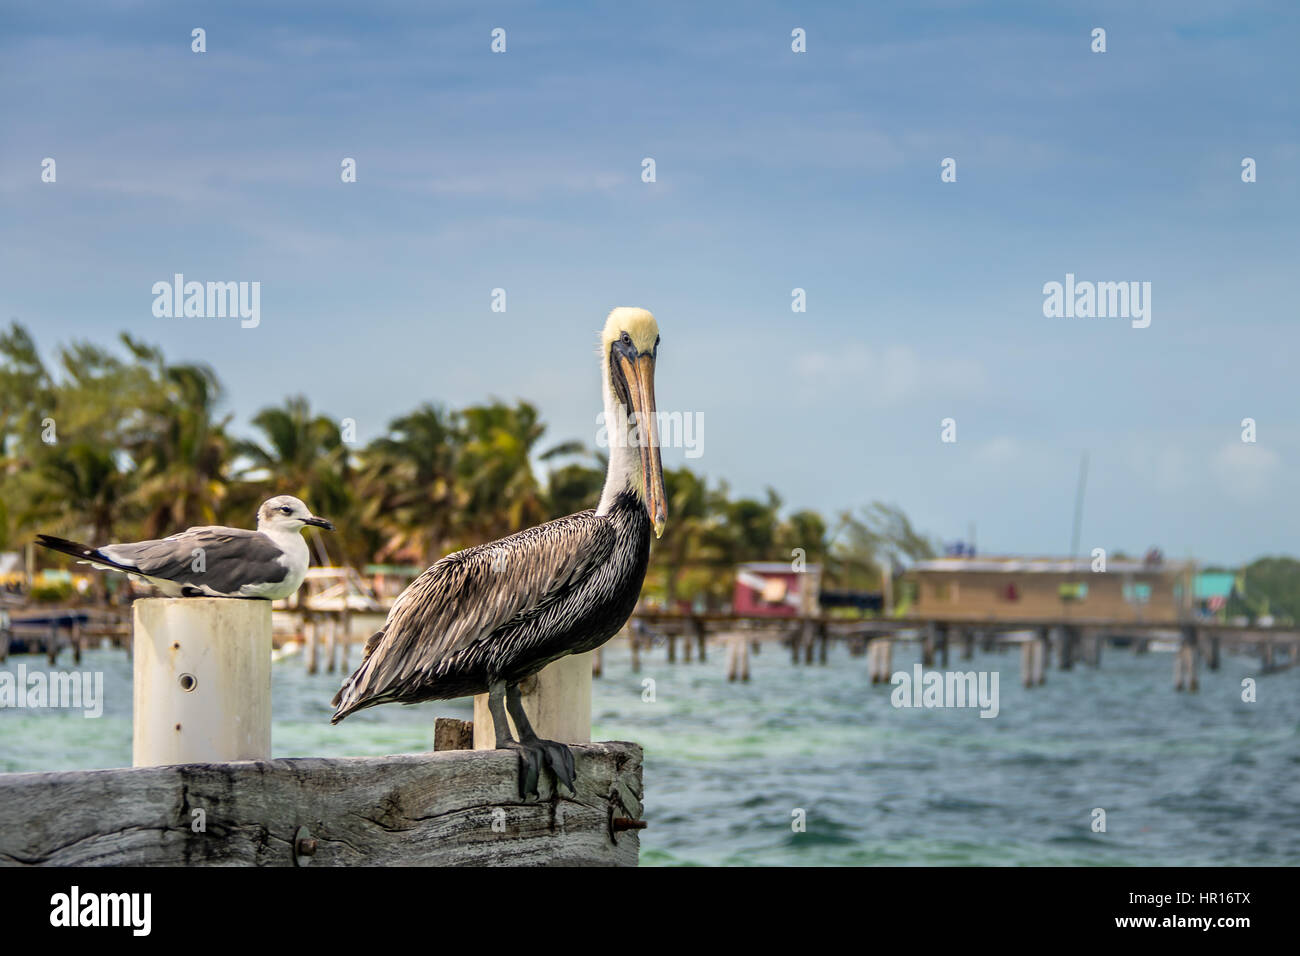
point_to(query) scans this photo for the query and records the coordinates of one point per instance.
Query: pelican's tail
(349, 697)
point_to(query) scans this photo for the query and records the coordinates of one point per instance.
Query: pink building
(775, 589)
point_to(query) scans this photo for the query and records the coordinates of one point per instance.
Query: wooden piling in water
(331, 643)
(345, 622)
(1068, 642)
(311, 634)
(738, 657)
(880, 660)
(1185, 660)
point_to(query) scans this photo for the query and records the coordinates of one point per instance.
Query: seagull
(483, 619)
(269, 563)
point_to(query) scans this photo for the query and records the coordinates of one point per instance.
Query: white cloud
(1246, 470)
(890, 376)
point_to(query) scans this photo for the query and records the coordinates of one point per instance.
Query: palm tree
(502, 494)
(182, 450)
(410, 491)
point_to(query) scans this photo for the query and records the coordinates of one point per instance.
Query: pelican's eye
(627, 339)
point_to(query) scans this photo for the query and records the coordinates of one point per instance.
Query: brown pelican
(483, 619)
(268, 563)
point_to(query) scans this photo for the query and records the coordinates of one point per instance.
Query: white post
(202, 680)
(738, 656)
(557, 701)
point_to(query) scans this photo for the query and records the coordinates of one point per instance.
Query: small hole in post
(188, 682)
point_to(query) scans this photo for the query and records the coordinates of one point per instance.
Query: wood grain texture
(447, 808)
(450, 733)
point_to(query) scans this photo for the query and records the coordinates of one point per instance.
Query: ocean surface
(1184, 779)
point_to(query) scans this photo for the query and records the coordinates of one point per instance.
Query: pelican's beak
(319, 523)
(640, 375)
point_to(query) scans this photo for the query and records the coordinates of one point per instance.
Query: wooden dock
(205, 791)
(1069, 641)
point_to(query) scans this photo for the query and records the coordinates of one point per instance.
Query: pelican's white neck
(624, 471)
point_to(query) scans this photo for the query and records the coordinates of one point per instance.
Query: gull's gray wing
(222, 559)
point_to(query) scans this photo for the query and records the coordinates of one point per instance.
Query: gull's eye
(627, 339)
(286, 511)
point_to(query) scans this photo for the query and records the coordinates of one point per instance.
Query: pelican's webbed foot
(559, 758)
(534, 752)
(530, 765)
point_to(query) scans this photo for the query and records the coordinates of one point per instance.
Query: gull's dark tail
(82, 552)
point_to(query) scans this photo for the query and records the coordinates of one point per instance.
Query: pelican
(269, 563)
(483, 619)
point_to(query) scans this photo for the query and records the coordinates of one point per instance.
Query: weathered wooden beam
(457, 807)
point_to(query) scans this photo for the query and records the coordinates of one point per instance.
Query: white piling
(738, 656)
(202, 680)
(1033, 661)
(331, 642)
(557, 701)
(880, 660)
(1185, 677)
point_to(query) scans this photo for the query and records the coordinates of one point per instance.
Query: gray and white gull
(269, 563)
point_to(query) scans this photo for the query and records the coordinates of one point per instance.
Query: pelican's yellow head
(638, 325)
(629, 345)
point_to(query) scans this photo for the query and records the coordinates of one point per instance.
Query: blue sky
(775, 170)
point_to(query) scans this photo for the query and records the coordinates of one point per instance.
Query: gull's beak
(640, 375)
(319, 523)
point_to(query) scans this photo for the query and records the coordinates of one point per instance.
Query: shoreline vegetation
(118, 443)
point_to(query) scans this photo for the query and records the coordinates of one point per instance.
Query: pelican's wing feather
(449, 612)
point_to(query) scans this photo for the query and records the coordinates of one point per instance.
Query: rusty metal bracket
(304, 847)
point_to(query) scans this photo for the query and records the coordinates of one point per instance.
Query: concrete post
(557, 701)
(202, 680)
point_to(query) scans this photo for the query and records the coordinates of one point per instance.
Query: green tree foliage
(141, 447)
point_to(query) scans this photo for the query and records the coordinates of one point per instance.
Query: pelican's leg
(530, 757)
(558, 756)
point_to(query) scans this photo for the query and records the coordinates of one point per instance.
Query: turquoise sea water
(1185, 779)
